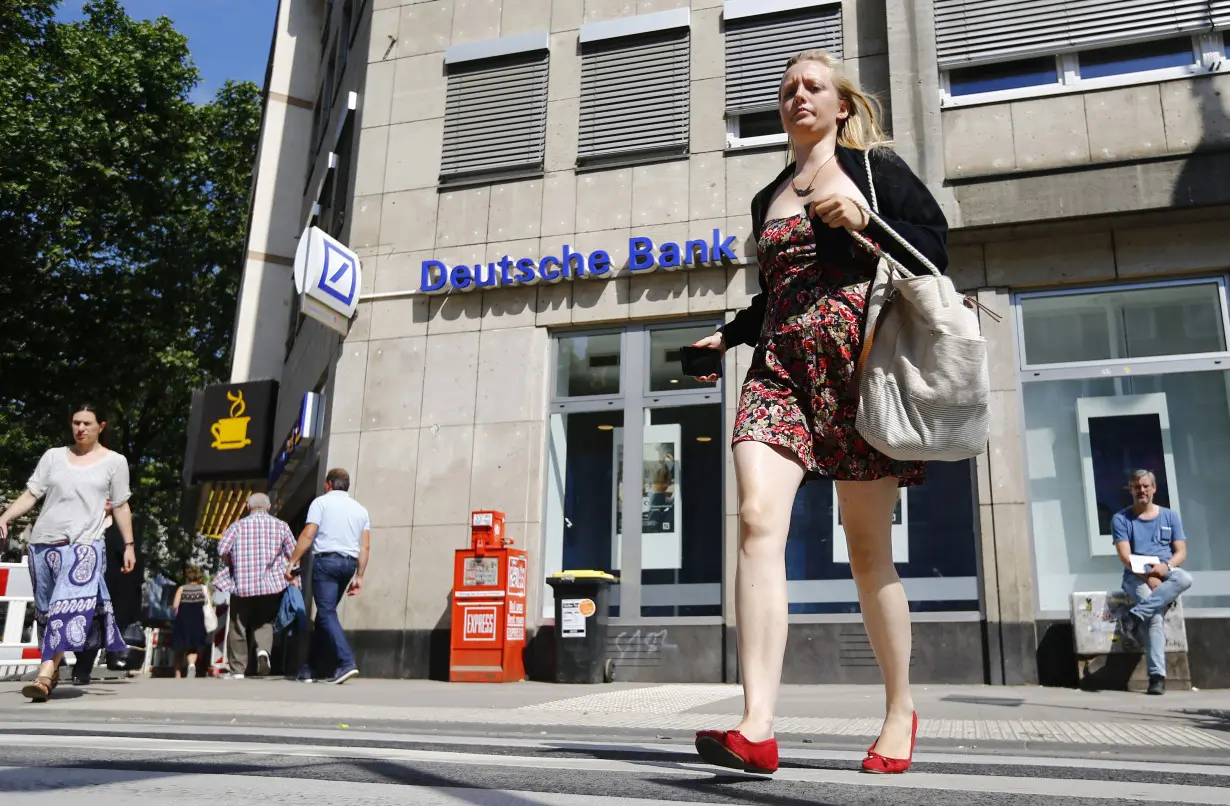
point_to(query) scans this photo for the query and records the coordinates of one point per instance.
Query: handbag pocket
(925, 398)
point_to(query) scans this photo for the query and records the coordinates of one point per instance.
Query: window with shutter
(495, 118)
(992, 50)
(1220, 12)
(971, 31)
(634, 96)
(759, 44)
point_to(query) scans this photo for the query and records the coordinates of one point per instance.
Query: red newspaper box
(489, 583)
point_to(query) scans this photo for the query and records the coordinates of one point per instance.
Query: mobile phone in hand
(700, 362)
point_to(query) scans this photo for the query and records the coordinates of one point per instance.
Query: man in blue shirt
(1153, 531)
(338, 532)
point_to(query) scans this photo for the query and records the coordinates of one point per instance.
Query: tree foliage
(123, 208)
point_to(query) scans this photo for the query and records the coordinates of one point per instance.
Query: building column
(1007, 565)
(917, 131)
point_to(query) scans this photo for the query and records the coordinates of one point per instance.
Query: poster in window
(1119, 435)
(901, 531)
(661, 507)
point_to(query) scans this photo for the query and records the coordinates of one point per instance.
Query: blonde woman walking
(798, 404)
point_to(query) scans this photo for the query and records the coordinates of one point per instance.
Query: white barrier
(19, 643)
(19, 652)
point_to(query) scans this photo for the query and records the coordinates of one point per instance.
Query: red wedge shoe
(883, 765)
(729, 748)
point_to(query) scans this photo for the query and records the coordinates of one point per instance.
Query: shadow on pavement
(685, 756)
(1209, 718)
(1002, 702)
(49, 782)
(65, 691)
(463, 789)
(743, 787)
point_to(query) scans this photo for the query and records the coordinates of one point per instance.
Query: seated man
(1153, 531)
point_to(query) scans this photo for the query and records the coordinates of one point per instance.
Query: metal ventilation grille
(757, 49)
(635, 96)
(971, 31)
(496, 116)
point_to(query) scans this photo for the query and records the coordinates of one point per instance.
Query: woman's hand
(715, 342)
(840, 212)
(130, 558)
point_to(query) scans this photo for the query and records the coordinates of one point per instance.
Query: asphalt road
(113, 764)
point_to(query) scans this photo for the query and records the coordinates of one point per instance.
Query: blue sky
(228, 38)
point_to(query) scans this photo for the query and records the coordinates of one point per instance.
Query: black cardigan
(905, 204)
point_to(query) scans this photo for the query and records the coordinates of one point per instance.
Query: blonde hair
(861, 129)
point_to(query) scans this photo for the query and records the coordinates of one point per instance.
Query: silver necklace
(807, 191)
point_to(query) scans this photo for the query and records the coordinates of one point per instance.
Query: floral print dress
(799, 392)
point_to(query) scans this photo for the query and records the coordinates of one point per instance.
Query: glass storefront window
(665, 371)
(1176, 425)
(933, 546)
(635, 477)
(582, 464)
(681, 512)
(1181, 319)
(587, 365)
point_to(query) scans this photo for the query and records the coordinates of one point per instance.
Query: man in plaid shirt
(254, 550)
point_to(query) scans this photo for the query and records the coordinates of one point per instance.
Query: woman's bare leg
(179, 663)
(768, 478)
(48, 667)
(867, 516)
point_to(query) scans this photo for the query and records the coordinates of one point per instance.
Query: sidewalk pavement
(954, 715)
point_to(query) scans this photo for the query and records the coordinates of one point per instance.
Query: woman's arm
(123, 519)
(745, 327)
(175, 604)
(907, 206)
(24, 503)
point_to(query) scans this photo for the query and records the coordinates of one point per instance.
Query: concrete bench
(1108, 659)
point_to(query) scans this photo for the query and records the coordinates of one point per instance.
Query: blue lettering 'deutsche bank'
(643, 255)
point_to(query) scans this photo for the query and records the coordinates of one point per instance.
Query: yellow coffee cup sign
(231, 433)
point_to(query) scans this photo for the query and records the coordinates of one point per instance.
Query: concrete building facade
(511, 175)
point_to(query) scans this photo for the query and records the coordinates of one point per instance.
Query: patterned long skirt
(71, 602)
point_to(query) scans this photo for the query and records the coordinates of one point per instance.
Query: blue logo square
(338, 277)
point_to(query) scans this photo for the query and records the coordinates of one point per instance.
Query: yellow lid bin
(585, 575)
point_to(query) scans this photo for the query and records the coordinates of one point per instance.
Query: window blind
(495, 116)
(1220, 11)
(635, 95)
(757, 49)
(971, 31)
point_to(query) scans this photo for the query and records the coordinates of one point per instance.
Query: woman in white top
(66, 550)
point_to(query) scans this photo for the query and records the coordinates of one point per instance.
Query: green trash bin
(581, 599)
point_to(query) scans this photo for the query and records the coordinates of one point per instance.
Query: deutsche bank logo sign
(340, 275)
(328, 277)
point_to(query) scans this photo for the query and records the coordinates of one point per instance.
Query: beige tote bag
(922, 378)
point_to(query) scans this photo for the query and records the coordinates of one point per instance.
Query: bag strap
(873, 215)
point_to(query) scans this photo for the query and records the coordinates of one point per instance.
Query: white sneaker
(233, 676)
(191, 670)
(262, 662)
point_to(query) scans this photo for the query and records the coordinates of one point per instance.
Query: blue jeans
(331, 575)
(1151, 609)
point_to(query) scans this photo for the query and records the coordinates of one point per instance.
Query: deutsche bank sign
(327, 277)
(643, 255)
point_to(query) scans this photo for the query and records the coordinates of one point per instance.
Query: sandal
(55, 680)
(39, 690)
